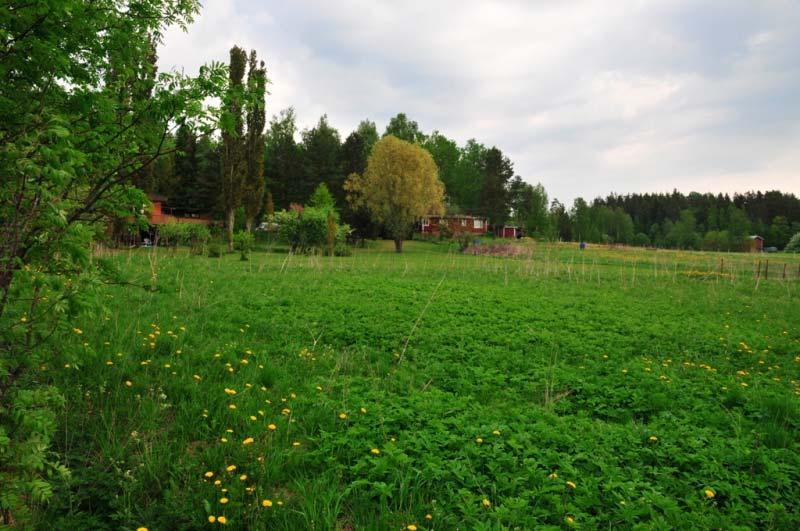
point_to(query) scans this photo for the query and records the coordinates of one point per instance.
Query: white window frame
(478, 223)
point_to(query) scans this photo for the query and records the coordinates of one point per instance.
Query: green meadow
(556, 389)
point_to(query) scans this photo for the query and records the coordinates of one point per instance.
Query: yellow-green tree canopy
(401, 185)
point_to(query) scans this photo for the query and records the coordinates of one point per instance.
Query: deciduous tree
(401, 185)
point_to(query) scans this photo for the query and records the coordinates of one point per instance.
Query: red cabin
(456, 223)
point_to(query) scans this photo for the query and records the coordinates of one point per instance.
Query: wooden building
(456, 223)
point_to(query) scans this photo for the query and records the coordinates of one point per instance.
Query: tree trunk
(249, 225)
(231, 218)
(398, 245)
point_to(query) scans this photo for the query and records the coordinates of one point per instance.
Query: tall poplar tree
(254, 186)
(234, 165)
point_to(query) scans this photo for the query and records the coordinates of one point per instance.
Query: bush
(194, 235)
(243, 242)
(214, 250)
(641, 240)
(794, 244)
(308, 231)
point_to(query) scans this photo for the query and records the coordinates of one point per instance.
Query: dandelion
(296, 444)
(209, 474)
(285, 411)
(571, 484)
(231, 406)
(486, 502)
(411, 527)
(428, 516)
(247, 441)
(196, 377)
(479, 440)
(223, 501)
(375, 451)
(570, 520)
(128, 383)
(243, 477)
(222, 520)
(553, 476)
(652, 438)
(266, 503)
(231, 468)
(212, 519)
(223, 440)
(496, 432)
(109, 362)
(253, 417)
(217, 482)
(272, 427)
(709, 493)
(319, 388)
(141, 529)
(79, 332)
(343, 416)
(230, 391)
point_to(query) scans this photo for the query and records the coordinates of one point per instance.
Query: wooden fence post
(766, 270)
(758, 272)
(784, 271)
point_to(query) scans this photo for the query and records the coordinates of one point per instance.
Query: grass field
(609, 388)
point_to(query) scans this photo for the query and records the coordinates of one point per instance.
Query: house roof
(455, 216)
(756, 237)
(157, 198)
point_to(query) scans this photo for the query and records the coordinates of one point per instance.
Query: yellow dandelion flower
(479, 440)
(129, 383)
(243, 477)
(217, 482)
(429, 517)
(272, 427)
(363, 411)
(496, 432)
(223, 501)
(209, 474)
(247, 441)
(571, 484)
(231, 468)
(141, 529)
(486, 503)
(285, 411)
(652, 438)
(570, 520)
(375, 451)
(709, 493)
(296, 444)
(319, 388)
(553, 476)
(266, 503)
(223, 440)
(230, 391)
(222, 520)
(343, 416)
(212, 519)
(411, 527)
(196, 377)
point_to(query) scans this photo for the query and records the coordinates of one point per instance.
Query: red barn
(456, 223)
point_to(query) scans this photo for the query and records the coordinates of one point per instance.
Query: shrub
(794, 244)
(308, 231)
(243, 242)
(194, 235)
(214, 250)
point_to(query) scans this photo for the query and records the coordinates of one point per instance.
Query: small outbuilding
(456, 223)
(756, 243)
(511, 231)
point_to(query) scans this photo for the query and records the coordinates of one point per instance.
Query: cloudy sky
(586, 97)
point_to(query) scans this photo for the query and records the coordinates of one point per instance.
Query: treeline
(675, 220)
(479, 180)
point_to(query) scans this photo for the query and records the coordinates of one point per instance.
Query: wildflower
(296, 444)
(222, 520)
(709, 493)
(375, 451)
(486, 502)
(77, 331)
(230, 391)
(652, 438)
(553, 476)
(571, 484)
(223, 440)
(570, 520)
(479, 440)
(428, 516)
(109, 362)
(343, 416)
(196, 377)
(266, 503)
(247, 441)
(231, 468)
(496, 432)
(319, 388)
(253, 417)
(272, 427)
(285, 411)
(243, 477)
(129, 383)
(223, 501)
(209, 474)
(141, 529)
(212, 519)
(231, 406)
(217, 483)
(411, 527)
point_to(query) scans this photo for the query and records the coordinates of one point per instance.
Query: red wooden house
(158, 217)
(756, 243)
(456, 223)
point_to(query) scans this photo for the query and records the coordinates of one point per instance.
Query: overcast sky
(586, 97)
